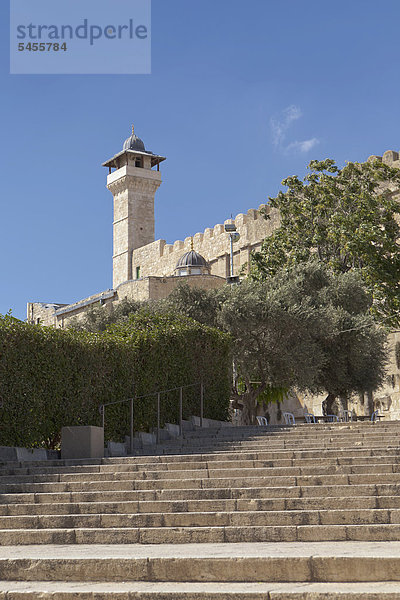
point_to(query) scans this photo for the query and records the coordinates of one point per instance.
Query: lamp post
(234, 236)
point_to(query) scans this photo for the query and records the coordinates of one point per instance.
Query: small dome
(191, 259)
(134, 143)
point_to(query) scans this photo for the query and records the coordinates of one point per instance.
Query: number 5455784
(42, 47)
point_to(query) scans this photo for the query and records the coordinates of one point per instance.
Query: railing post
(201, 404)
(131, 432)
(180, 411)
(158, 417)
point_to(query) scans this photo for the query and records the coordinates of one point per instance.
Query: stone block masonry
(160, 258)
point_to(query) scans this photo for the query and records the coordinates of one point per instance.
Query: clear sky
(241, 95)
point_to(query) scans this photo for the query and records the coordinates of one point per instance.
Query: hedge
(50, 378)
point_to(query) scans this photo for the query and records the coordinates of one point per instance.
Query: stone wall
(154, 288)
(160, 258)
(42, 313)
(387, 399)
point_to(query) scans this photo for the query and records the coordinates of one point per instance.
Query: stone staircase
(304, 513)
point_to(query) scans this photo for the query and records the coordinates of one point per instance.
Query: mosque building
(145, 268)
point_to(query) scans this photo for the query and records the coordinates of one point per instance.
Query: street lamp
(234, 236)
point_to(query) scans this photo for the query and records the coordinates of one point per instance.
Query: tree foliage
(99, 318)
(304, 327)
(195, 303)
(347, 218)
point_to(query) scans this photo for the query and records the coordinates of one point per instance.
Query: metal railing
(102, 408)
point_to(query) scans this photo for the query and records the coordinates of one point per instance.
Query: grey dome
(134, 143)
(191, 259)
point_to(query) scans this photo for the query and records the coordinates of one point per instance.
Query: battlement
(252, 215)
(390, 157)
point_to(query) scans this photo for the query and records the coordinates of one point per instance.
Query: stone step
(193, 462)
(279, 441)
(210, 510)
(301, 426)
(351, 438)
(306, 434)
(142, 590)
(234, 451)
(239, 481)
(341, 429)
(201, 535)
(276, 432)
(241, 562)
(265, 454)
(228, 445)
(210, 519)
(230, 451)
(253, 492)
(207, 472)
(122, 470)
(195, 506)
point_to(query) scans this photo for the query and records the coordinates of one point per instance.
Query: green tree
(196, 303)
(348, 219)
(99, 318)
(305, 327)
(353, 346)
(273, 348)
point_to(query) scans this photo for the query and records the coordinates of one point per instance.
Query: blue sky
(241, 95)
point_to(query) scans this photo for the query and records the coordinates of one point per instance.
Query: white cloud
(303, 146)
(280, 126)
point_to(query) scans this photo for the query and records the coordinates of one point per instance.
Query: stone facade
(161, 258)
(154, 288)
(133, 189)
(144, 268)
(387, 398)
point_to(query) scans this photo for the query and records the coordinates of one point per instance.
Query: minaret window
(137, 272)
(139, 162)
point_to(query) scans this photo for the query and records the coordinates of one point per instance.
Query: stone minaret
(133, 184)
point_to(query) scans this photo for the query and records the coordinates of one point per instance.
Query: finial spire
(133, 130)
(191, 243)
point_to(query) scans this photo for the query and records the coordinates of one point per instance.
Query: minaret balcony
(131, 171)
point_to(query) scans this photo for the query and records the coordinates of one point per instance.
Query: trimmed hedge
(50, 378)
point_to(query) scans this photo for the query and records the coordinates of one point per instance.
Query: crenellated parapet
(160, 259)
(390, 158)
(211, 233)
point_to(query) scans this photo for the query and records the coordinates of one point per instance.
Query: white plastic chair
(310, 418)
(262, 421)
(289, 418)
